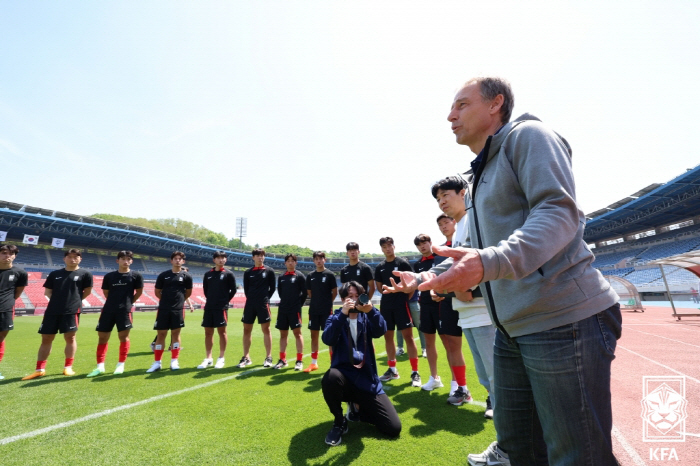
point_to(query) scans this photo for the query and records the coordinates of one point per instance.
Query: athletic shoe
(432, 384)
(460, 397)
(425, 353)
(488, 414)
(68, 371)
(174, 365)
(334, 437)
(280, 364)
(2, 377)
(298, 366)
(268, 362)
(96, 372)
(389, 375)
(206, 363)
(353, 414)
(311, 368)
(119, 370)
(34, 375)
(400, 352)
(153, 346)
(415, 377)
(219, 363)
(492, 456)
(245, 361)
(155, 367)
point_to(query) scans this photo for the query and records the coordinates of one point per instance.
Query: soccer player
(219, 288)
(394, 309)
(322, 289)
(122, 289)
(173, 287)
(259, 286)
(66, 288)
(12, 283)
(291, 287)
(357, 270)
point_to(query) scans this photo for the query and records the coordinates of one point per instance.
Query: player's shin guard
(123, 350)
(101, 353)
(175, 352)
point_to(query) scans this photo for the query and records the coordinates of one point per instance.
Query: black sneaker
(335, 436)
(415, 379)
(389, 375)
(353, 414)
(488, 414)
(459, 397)
(245, 361)
(280, 364)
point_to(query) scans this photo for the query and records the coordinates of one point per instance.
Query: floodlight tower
(241, 229)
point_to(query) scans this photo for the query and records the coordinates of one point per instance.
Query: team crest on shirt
(396, 267)
(323, 279)
(358, 272)
(221, 277)
(76, 278)
(294, 279)
(263, 274)
(11, 277)
(179, 279)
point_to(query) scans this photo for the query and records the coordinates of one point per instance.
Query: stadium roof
(654, 206)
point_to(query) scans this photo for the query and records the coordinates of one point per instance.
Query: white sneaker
(154, 367)
(174, 365)
(219, 363)
(425, 353)
(206, 363)
(432, 384)
(492, 456)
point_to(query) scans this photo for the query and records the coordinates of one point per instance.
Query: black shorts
(429, 317)
(169, 320)
(397, 317)
(7, 321)
(261, 311)
(448, 321)
(109, 319)
(288, 320)
(52, 324)
(213, 319)
(318, 321)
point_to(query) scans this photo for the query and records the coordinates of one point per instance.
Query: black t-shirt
(383, 273)
(67, 290)
(291, 288)
(321, 285)
(12, 278)
(121, 287)
(173, 286)
(259, 284)
(219, 289)
(423, 265)
(360, 272)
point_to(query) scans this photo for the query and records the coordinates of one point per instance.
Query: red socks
(460, 375)
(314, 355)
(300, 356)
(2, 350)
(123, 350)
(158, 354)
(414, 364)
(41, 365)
(69, 362)
(101, 353)
(283, 356)
(174, 353)
(392, 362)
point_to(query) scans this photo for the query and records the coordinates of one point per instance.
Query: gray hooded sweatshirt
(528, 229)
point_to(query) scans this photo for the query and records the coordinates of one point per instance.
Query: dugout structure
(689, 261)
(627, 292)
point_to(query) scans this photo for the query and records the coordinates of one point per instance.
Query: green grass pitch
(254, 416)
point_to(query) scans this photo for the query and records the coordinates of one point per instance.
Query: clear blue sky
(325, 122)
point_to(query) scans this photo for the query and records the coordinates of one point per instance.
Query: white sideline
(628, 448)
(662, 365)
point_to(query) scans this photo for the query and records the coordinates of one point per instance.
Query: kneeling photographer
(353, 375)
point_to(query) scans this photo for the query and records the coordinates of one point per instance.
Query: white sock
(464, 387)
(453, 385)
(101, 366)
(314, 361)
(393, 369)
(120, 364)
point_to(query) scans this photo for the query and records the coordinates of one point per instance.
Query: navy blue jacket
(337, 335)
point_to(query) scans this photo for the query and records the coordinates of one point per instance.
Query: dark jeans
(375, 409)
(553, 392)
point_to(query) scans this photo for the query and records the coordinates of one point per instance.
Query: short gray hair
(490, 87)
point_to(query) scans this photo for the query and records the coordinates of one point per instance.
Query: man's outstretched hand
(408, 282)
(466, 272)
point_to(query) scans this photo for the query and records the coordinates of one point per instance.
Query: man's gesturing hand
(407, 284)
(466, 272)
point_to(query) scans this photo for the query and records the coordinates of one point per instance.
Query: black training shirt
(360, 272)
(423, 265)
(67, 291)
(12, 278)
(291, 287)
(219, 289)
(121, 288)
(321, 285)
(383, 273)
(259, 284)
(173, 286)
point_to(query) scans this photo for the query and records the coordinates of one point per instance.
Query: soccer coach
(557, 318)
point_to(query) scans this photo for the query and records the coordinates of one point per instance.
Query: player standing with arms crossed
(322, 289)
(12, 283)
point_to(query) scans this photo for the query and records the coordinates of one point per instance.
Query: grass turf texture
(257, 416)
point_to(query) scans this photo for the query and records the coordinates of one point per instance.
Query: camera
(362, 300)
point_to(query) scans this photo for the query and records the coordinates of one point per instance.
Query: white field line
(665, 338)
(628, 448)
(662, 365)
